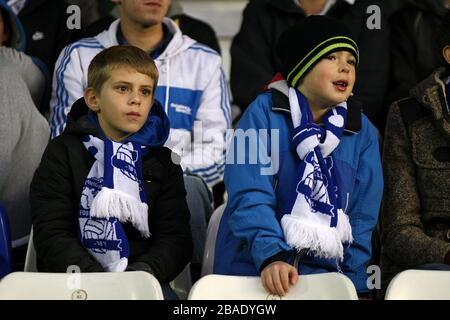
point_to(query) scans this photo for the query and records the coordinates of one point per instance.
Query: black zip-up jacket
(55, 198)
(254, 60)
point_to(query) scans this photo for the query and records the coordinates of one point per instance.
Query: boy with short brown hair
(107, 196)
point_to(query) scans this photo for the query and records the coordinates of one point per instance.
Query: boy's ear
(446, 53)
(91, 100)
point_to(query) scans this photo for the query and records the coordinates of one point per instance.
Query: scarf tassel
(344, 228)
(111, 203)
(117, 266)
(322, 241)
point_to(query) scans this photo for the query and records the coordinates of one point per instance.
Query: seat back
(211, 234)
(324, 286)
(30, 259)
(419, 285)
(5, 244)
(133, 285)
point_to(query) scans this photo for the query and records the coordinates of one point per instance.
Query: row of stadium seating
(137, 285)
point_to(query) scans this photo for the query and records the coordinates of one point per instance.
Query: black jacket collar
(77, 119)
(280, 103)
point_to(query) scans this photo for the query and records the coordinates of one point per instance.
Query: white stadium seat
(324, 286)
(134, 285)
(419, 285)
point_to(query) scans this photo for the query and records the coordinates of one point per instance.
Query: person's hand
(277, 276)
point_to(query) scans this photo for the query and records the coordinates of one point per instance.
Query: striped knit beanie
(303, 45)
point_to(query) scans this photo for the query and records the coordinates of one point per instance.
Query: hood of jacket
(431, 93)
(179, 42)
(154, 133)
(17, 37)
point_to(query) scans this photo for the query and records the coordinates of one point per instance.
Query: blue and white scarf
(314, 221)
(112, 194)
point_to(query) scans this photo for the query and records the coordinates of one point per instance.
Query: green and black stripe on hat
(303, 45)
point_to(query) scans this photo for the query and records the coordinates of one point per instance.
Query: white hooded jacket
(191, 87)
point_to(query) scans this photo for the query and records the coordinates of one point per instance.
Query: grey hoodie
(24, 134)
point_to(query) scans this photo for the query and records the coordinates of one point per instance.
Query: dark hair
(119, 56)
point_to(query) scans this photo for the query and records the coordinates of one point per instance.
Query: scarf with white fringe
(112, 194)
(313, 219)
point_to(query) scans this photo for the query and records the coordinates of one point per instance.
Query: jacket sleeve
(171, 248)
(67, 87)
(251, 195)
(364, 205)
(252, 64)
(55, 215)
(213, 118)
(403, 236)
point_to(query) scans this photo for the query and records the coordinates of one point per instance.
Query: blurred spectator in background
(416, 160)
(190, 26)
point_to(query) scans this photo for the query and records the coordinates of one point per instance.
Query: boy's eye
(330, 57)
(146, 92)
(352, 62)
(122, 88)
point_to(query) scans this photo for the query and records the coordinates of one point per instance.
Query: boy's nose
(344, 68)
(134, 98)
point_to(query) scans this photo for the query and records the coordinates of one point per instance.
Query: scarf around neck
(113, 190)
(313, 219)
(112, 194)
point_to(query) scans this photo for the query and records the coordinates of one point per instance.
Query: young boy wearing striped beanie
(317, 209)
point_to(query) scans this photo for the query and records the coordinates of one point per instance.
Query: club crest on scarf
(124, 160)
(100, 236)
(312, 219)
(314, 185)
(91, 187)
